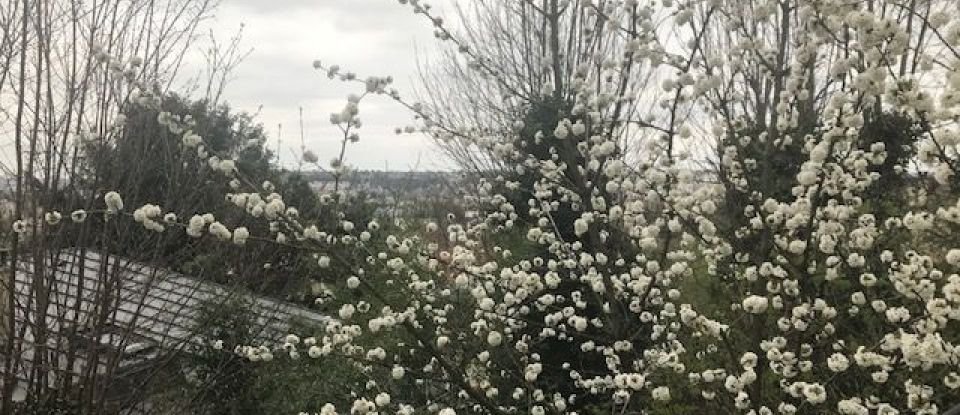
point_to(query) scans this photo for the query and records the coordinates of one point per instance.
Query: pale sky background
(368, 37)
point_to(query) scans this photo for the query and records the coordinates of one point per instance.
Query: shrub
(811, 298)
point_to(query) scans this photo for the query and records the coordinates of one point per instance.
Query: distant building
(396, 194)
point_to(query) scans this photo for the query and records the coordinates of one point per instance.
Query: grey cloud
(369, 37)
(360, 11)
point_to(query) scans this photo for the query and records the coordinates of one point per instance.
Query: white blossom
(114, 202)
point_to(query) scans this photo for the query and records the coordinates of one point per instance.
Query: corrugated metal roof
(150, 311)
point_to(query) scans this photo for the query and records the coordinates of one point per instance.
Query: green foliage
(224, 383)
(536, 141)
(781, 156)
(147, 164)
(219, 382)
(46, 407)
(754, 150)
(888, 195)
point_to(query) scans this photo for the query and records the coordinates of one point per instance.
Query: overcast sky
(369, 37)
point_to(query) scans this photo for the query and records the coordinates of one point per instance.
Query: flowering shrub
(816, 301)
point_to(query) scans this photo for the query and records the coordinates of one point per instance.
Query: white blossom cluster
(821, 302)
